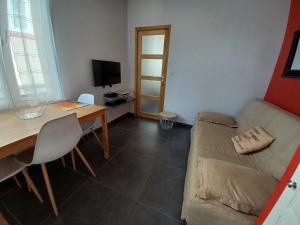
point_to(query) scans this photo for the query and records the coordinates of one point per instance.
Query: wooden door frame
(165, 58)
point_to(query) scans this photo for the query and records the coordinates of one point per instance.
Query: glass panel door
(152, 67)
(150, 87)
(151, 64)
(149, 106)
(153, 44)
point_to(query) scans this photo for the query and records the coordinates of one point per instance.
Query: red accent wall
(282, 91)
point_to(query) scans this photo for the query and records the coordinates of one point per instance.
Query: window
(17, 11)
(29, 52)
(23, 47)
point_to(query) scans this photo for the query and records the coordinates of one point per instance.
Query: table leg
(105, 140)
(3, 220)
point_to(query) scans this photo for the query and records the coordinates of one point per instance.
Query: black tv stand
(112, 99)
(110, 85)
(115, 103)
(111, 95)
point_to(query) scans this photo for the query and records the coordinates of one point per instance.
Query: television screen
(106, 72)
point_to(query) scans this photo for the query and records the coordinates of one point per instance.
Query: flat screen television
(106, 72)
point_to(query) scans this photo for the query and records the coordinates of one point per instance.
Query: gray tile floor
(142, 182)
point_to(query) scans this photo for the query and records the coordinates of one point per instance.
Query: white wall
(222, 52)
(85, 30)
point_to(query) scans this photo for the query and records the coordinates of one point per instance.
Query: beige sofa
(213, 141)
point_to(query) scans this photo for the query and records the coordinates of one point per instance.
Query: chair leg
(32, 185)
(73, 160)
(85, 161)
(17, 182)
(28, 185)
(49, 189)
(63, 161)
(97, 138)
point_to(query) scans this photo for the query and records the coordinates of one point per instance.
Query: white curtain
(5, 99)
(29, 52)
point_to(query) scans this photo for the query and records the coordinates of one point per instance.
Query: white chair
(57, 138)
(9, 168)
(89, 127)
(86, 98)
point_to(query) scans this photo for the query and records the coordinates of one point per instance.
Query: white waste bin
(167, 120)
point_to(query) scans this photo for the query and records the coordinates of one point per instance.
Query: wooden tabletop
(13, 129)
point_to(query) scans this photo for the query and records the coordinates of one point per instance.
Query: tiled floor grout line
(136, 200)
(157, 210)
(107, 161)
(73, 192)
(143, 132)
(67, 199)
(133, 199)
(130, 210)
(136, 134)
(11, 213)
(80, 186)
(153, 208)
(101, 183)
(46, 219)
(97, 170)
(7, 192)
(23, 185)
(97, 182)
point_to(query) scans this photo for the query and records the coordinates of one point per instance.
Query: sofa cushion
(284, 127)
(217, 118)
(214, 141)
(239, 187)
(212, 212)
(251, 140)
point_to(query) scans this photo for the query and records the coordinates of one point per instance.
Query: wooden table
(17, 135)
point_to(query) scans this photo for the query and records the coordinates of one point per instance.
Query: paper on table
(69, 105)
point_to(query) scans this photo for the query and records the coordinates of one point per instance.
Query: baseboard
(179, 124)
(130, 114)
(126, 115)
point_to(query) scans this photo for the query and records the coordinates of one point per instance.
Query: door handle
(292, 184)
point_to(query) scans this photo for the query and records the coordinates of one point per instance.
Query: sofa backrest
(282, 125)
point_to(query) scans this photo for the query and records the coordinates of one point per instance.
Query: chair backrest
(57, 138)
(86, 98)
